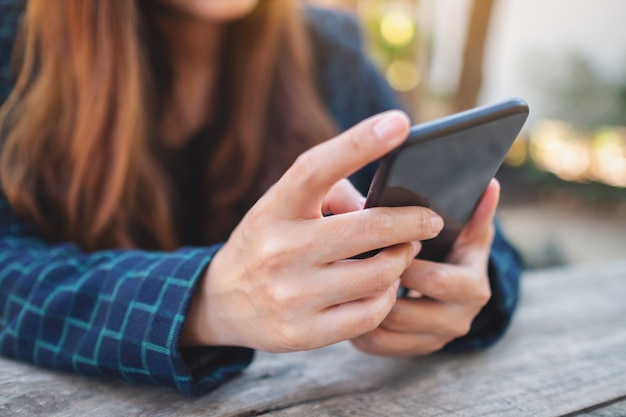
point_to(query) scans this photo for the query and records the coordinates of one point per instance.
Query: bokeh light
(556, 147)
(518, 154)
(397, 28)
(572, 155)
(403, 75)
(609, 158)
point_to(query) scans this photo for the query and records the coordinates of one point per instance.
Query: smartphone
(446, 165)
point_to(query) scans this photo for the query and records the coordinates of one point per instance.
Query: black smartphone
(446, 165)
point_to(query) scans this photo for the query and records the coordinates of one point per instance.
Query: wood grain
(615, 409)
(565, 353)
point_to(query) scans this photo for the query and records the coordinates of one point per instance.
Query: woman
(154, 225)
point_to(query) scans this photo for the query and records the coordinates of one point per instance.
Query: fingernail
(390, 126)
(396, 284)
(361, 202)
(436, 223)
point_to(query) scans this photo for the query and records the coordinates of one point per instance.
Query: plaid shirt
(119, 312)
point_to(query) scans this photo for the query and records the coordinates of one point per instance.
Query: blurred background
(564, 180)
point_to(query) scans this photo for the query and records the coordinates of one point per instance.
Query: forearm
(115, 313)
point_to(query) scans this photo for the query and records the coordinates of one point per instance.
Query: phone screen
(446, 165)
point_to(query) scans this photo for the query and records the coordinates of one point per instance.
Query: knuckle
(354, 142)
(291, 337)
(256, 215)
(272, 254)
(436, 283)
(255, 223)
(382, 274)
(420, 224)
(484, 296)
(423, 222)
(371, 321)
(305, 168)
(379, 223)
(439, 286)
(280, 298)
(482, 293)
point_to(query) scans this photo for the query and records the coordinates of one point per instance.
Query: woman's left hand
(444, 298)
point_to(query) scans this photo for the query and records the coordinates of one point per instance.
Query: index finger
(314, 173)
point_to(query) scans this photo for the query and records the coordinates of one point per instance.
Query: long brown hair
(77, 129)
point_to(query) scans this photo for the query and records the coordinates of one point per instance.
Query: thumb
(477, 235)
(342, 198)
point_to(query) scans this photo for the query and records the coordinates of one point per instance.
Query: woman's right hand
(284, 281)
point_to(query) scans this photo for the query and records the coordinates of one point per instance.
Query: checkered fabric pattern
(113, 313)
(119, 313)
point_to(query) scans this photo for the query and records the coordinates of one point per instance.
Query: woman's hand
(444, 298)
(284, 281)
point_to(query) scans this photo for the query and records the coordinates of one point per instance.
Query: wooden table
(565, 355)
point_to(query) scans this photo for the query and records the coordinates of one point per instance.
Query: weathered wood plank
(616, 409)
(274, 381)
(566, 352)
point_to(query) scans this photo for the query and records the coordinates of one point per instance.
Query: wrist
(192, 333)
(207, 313)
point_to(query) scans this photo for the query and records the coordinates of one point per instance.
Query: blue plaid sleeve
(114, 313)
(353, 90)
